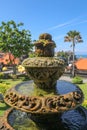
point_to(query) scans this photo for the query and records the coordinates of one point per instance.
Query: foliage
(23, 76)
(62, 54)
(66, 55)
(84, 104)
(45, 39)
(73, 36)
(14, 39)
(5, 84)
(4, 76)
(4, 87)
(13, 76)
(77, 80)
(12, 83)
(46, 43)
(84, 89)
(32, 54)
(1, 75)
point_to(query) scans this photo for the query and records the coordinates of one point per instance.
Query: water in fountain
(20, 121)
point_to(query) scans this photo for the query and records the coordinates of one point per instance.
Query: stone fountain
(44, 102)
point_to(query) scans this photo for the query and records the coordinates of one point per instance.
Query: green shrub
(4, 75)
(84, 104)
(77, 80)
(4, 87)
(13, 76)
(1, 75)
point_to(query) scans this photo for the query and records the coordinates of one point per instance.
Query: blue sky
(56, 17)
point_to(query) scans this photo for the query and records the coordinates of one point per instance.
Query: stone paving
(67, 78)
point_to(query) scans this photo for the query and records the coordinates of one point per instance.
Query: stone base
(70, 120)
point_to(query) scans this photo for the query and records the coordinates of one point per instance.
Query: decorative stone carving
(45, 46)
(44, 71)
(44, 104)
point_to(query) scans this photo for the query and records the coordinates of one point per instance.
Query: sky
(56, 17)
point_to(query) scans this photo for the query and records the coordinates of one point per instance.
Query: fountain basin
(39, 101)
(45, 71)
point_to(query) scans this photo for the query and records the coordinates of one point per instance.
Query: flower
(21, 69)
(4, 68)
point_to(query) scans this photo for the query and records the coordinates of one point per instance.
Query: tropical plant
(4, 87)
(1, 75)
(66, 55)
(77, 80)
(14, 39)
(74, 37)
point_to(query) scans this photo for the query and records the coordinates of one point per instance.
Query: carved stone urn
(44, 69)
(44, 47)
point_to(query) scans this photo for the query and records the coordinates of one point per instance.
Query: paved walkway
(67, 78)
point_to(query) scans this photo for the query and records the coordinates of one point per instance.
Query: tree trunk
(73, 69)
(14, 69)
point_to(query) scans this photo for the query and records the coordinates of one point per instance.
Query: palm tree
(74, 37)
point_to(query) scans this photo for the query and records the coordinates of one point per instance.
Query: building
(81, 64)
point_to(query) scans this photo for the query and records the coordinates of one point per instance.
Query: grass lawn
(12, 83)
(3, 107)
(84, 89)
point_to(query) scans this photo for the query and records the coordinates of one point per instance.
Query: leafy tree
(74, 37)
(63, 55)
(66, 55)
(14, 39)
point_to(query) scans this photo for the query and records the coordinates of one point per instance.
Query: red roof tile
(81, 64)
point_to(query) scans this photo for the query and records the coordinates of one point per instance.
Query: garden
(7, 83)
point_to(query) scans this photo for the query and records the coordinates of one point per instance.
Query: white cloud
(63, 24)
(68, 23)
(84, 21)
(59, 26)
